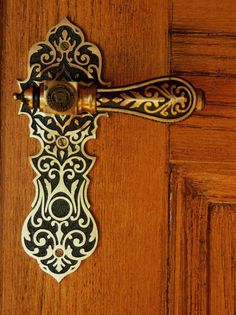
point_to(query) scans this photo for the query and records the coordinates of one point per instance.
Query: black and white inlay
(60, 231)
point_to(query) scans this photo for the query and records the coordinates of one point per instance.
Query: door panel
(188, 248)
(127, 274)
(202, 157)
(222, 259)
(202, 241)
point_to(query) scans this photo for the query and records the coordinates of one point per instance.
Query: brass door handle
(164, 99)
(63, 96)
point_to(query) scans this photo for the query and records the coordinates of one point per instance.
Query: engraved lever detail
(165, 99)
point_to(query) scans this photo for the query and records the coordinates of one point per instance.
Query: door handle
(164, 99)
(64, 95)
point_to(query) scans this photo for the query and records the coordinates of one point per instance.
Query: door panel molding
(195, 242)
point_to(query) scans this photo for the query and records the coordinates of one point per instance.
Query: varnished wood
(199, 245)
(128, 272)
(213, 16)
(202, 241)
(214, 54)
(188, 290)
(203, 144)
(154, 256)
(222, 259)
(204, 52)
(202, 157)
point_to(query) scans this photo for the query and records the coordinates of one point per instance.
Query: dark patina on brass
(60, 96)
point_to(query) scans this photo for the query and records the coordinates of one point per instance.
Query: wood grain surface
(222, 259)
(212, 16)
(202, 155)
(202, 240)
(163, 197)
(128, 272)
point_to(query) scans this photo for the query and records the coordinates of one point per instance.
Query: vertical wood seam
(2, 32)
(170, 26)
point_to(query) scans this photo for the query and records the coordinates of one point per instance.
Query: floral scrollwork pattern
(165, 99)
(60, 231)
(65, 55)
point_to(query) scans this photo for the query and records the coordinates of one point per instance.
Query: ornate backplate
(60, 230)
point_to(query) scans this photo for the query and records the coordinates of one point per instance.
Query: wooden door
(163, 196)
(202, 160)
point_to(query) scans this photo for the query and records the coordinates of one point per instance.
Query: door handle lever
(64, 95)
(165, 99)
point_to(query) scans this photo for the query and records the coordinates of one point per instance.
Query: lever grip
(165, 99)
